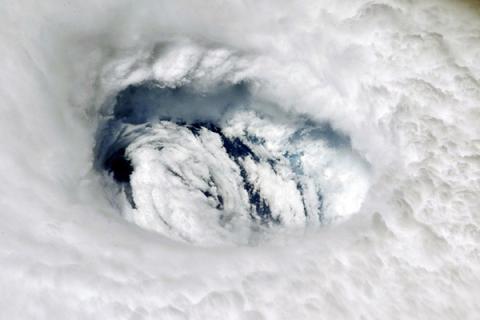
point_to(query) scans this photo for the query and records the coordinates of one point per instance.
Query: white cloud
(400, 78)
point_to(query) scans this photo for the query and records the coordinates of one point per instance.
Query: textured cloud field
(322, 160)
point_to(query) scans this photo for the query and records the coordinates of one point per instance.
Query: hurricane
(240, 159)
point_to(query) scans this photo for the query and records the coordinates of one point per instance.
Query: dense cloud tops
(395, 83)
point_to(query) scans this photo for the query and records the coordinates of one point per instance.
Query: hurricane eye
(216, 167)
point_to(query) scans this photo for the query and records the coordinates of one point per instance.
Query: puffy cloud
(398, 78)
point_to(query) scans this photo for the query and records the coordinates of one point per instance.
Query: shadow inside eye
(148, 102)
(119, 165)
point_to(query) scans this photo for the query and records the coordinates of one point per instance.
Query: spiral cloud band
(240, 159)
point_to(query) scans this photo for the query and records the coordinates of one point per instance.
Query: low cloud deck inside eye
(277, 163)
